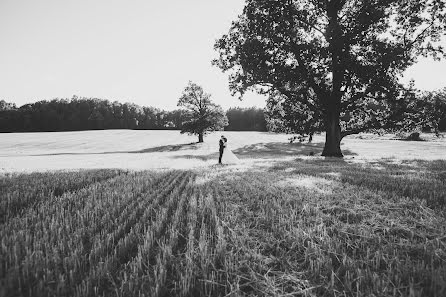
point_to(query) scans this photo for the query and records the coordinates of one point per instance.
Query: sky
(140, 51)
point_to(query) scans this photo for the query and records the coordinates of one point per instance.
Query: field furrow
(124, 220)
(16, 198)
(77, 240)
(158, 237)
(184, 279)
(65, 248)
(126, 249)
(225, 232)
(167, 246)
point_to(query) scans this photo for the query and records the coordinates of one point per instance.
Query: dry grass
(294, 228)
(350, 238)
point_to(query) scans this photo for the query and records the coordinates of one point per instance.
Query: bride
(228, 156)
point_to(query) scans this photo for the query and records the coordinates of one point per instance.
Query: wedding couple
(226, 155)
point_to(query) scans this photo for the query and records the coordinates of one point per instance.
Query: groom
(222, 144)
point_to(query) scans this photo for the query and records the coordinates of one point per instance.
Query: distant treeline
(78, 114)
(246, 119)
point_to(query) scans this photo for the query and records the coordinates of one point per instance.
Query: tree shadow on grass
(416, 179)
(156, 149)
(264, 151)
(205, 158)
(269, 150)
(278, 149)
(168, 148)
(259, 211)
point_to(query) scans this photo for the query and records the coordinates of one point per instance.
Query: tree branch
(294, 96)
(362, 129)
(312, 26)
(320, 92)
(370, 125)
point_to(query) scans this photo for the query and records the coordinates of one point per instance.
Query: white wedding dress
(229, 157)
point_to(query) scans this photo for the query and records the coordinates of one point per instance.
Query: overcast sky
(131, 51)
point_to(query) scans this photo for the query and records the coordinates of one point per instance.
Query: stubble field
(162, 219)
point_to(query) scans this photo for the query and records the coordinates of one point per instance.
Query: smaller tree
(202, 115)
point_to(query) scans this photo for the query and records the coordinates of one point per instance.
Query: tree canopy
(204, 116)
(336, 60)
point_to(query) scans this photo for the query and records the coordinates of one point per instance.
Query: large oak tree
(339, 59)
(203, 116)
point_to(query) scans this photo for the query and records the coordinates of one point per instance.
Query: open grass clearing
(144, 150)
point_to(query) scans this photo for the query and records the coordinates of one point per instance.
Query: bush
(442, 125)
(415, 136)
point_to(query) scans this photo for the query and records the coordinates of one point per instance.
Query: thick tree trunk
(333, 137)
(333, 100)
(200, 137)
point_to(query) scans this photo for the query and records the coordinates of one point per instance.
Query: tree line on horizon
(81, 113)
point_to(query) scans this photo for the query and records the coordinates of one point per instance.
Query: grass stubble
(307, 227)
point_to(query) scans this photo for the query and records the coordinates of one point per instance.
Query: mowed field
(150, 213)
(142, 150)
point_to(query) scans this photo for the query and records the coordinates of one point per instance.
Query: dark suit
(222, 147)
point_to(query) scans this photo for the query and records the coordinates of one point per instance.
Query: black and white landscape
(115, 115)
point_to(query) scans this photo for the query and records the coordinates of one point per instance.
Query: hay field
(280, 223)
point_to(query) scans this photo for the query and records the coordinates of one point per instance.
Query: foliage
(246, 119)
(79, 114)
(423, 112)
(416, 111)
(337, 61)
(289, 116)
(442, 125)
(434, 109)
(6, 106)
(298, 229)
(415, 136)
(204, 116)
